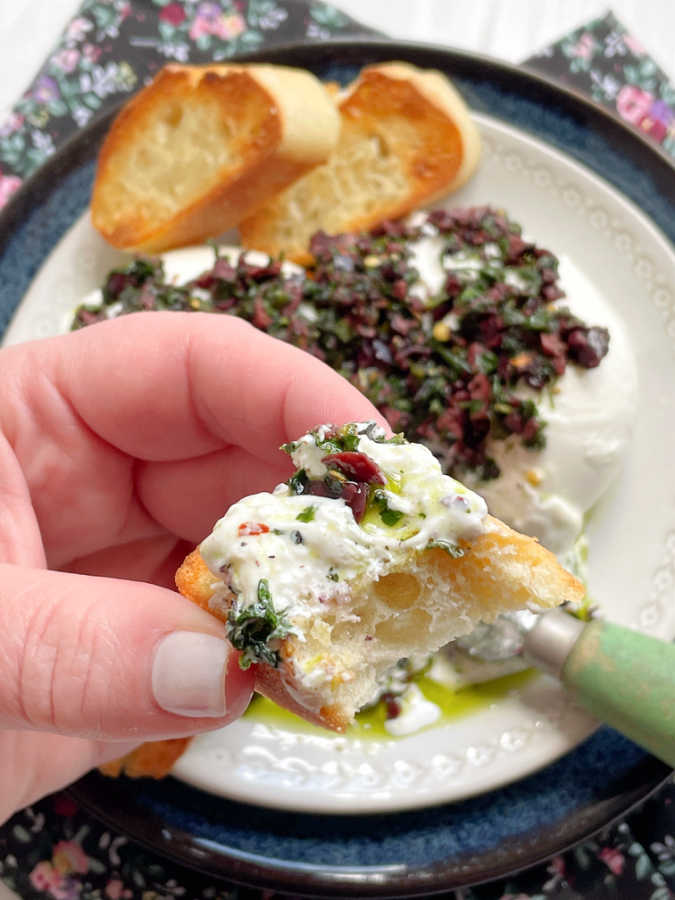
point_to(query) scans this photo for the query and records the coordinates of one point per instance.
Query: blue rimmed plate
(500, 831)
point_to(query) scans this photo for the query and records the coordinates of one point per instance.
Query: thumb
(111, 659)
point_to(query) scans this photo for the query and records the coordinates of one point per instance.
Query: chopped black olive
(442, 369)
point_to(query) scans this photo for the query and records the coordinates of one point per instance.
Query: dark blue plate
(399, 854)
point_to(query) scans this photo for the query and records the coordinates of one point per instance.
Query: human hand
(120, 446)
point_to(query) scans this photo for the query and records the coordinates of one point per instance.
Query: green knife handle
(627, 679)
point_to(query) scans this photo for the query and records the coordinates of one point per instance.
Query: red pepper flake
(252, 528)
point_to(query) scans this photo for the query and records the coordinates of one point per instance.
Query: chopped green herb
(454, 359)
(332, 574)
(252, 628)
(343, 330)
(388, 515)
(449, 546)
(498, 307)
(337, 441)
(264, 595)
(307, 514)
(298, 482)
(349, 439)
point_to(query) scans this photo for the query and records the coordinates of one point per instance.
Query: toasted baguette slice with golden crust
(417, 610)
(201, 147)
(151, 760)
(406, 139)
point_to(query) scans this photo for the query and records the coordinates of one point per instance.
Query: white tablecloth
(509, 30)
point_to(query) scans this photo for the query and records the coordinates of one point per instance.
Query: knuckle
(63, 677)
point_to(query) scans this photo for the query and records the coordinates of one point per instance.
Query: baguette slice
(406, 140)
(201, 147)
(395, 592)
(153, 759)
(416, 611)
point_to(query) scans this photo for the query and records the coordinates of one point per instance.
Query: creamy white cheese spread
(310, 547)
(416, 712)
(589, 413)
(589, 417)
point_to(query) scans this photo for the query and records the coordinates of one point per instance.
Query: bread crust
(429, 101)
(196, 582)
(257, 109)
(280, 686)
(419, 118)
(153, 759)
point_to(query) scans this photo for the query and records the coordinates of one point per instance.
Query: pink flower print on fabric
(633, 103)
(12, 123)
(613, 859)
(584, 46)
(115, 890)
(44, 877)
(658, 120)
(91, 52)
(634, 45)
(228, 27)
(78, 28)
(66, 60)
(8, 185)
(173, 13)
(68, 856)
(210, 20)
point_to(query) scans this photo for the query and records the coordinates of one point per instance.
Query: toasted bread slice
(406, 139)
(201, 147)
(326, 596)
(437, 595)
(151, 760)
(415, 611)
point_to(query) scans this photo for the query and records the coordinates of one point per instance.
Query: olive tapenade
(444, 367)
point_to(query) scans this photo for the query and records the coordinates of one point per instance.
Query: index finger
(168, 386)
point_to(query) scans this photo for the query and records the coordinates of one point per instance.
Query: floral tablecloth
(112, 47)
(54, 850)
(109, 49)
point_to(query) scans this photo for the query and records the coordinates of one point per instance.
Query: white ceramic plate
(615, 250)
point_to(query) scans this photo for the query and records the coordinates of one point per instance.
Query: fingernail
(188, 674)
